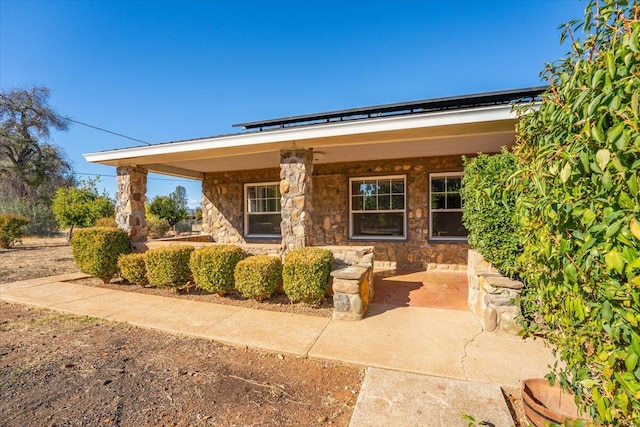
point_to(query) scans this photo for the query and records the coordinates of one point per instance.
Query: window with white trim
(445, 215)
(262, 210)
(377, 207)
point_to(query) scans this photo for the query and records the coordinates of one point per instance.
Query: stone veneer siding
(223, 209)
(296, 188)
(130, 213)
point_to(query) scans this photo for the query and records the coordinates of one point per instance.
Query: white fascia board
(328, 130)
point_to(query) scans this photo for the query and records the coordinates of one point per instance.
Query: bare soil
(59, 369)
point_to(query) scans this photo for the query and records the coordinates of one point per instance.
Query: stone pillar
(296, 168)
(132, 190)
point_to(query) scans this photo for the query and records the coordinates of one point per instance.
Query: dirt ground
(59, 369)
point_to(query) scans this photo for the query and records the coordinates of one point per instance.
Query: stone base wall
(223, 210)
(492, 296)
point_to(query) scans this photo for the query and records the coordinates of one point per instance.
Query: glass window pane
(356, 203)
(454, 201)
(397, 186)
(378, 224)
(447, 224)
(264, 224)
(437, 185)
(454, 183)
(251, 193)
(371, 187)
(437, 201)
(355, 187)
(384, 186)
(370, 203)
(253, 206)
(397, 202)
(272, 205)
(384, 203)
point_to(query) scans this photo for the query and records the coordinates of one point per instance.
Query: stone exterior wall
(223, 207)
(132, 190)
(296, 188)
(223, 203)
(492, 297)
(331, 213)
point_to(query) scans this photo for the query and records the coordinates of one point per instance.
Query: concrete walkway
(426, 341)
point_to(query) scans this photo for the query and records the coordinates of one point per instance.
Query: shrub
(213, 267)
(132, 267)
(489, 209)
(258, 276)
(80, 207)
(580, 207)
(157, 227)
(168, 266)
(96, 250)
(43, 221)
(11, 229)
(305, 274)
(107, 221)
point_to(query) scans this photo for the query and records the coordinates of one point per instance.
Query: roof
(437, 127)
(411, 107)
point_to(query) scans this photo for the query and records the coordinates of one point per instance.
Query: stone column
(296, 168)
(132, 190)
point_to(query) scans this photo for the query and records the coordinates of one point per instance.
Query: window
(262, 210)
(377, 207)
(445, 218)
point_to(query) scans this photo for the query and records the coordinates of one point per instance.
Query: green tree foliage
(580, 208)
(30, 166)
(80, 207)
(167, 208)
(180, 197)
(11, 229)
(489, 209)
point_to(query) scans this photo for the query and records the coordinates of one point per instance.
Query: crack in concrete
(464, 356)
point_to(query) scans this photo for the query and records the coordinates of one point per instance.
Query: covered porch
(385, 176)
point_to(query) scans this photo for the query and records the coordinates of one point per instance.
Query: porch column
(296, 168)
(132, 190)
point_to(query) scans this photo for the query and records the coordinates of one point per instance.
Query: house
(387, 176)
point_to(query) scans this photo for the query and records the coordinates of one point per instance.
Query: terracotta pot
(544, 404)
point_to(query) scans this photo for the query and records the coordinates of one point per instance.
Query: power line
(152, 179)
(88, 125)
(103, 130)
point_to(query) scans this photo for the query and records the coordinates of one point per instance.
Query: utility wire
(152, 179)
(103, 130)
(90, 126)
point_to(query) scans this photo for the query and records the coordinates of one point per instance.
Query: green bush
(305, 274)
(168, 266)
(107, 221)
(213, 267)
(43, 221)
(96, 250)
(579, 151)
(258, 276)
(11, 229)
(489, 209)
(157, 227)
(133, 268)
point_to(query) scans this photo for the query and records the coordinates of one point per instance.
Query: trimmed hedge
(133, 268)
(168, 266)
(106, 221)
(213, 267)
(258, 276)
(11, 229)
(305, 274)
(489, 209)
(96, 250)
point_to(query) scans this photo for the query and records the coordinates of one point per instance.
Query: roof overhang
(460, 131)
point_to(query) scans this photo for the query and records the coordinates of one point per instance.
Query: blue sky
(170, 70)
